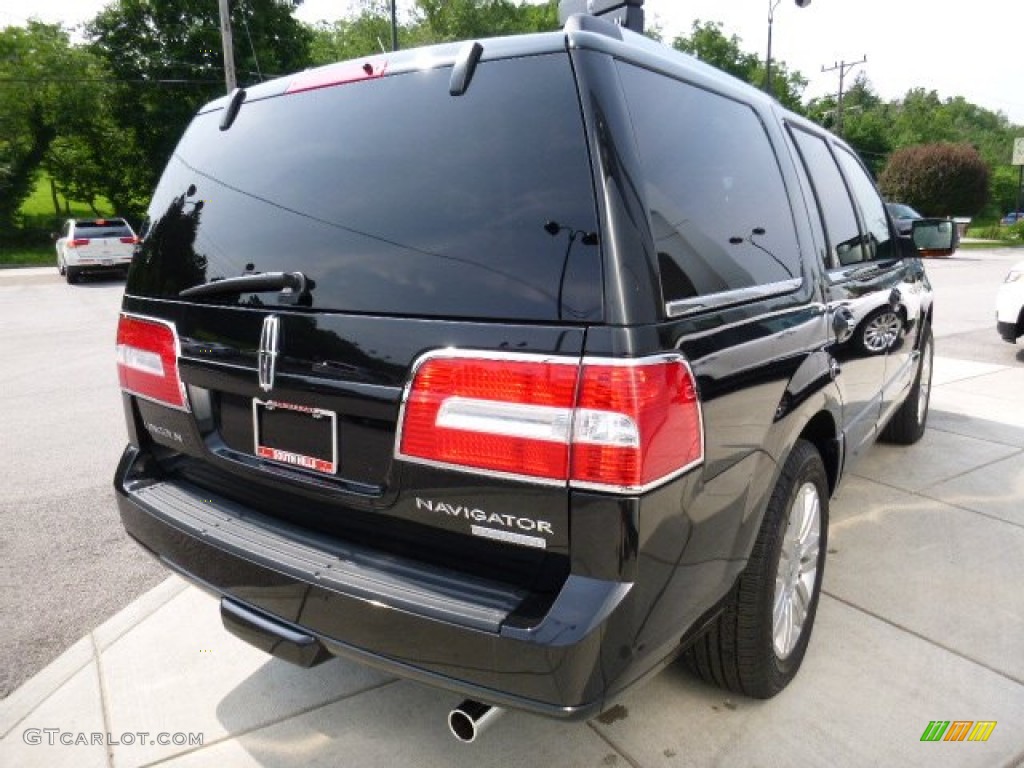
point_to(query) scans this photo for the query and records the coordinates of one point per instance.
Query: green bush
(937, 179)
(1014, 232)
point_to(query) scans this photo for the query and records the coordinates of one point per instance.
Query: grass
(990, 244)
(39, 205)
(27, 255)
(33, 246)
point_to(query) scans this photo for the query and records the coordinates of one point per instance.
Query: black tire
(908, 423)
(738, 651)
(60, 267)
(72, 275)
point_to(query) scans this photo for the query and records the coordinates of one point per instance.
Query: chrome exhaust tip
(470, 719)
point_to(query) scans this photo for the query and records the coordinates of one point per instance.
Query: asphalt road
(65, 562)
(965, 309)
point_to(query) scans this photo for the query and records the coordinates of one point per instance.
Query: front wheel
(757, 644)
(908, 423)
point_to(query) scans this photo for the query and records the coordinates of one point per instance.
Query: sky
(956, 49)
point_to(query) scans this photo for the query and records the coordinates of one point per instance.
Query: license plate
(296, 435)
(107, 262)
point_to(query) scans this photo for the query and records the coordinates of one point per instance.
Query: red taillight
(76, 243)
(612, 425)
(130, 240)
(636, 424)
(491, 414)
(147, 360)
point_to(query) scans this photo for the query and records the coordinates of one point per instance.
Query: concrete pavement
(921, 619)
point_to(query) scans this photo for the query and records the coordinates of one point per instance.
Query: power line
(843, 68)
(140, 81)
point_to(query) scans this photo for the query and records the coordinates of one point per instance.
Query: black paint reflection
(168, 250)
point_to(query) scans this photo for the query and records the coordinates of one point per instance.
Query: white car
(1010, 304)
(94, 245)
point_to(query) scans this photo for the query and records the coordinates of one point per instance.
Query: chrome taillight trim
(530, 357)
(185, 407)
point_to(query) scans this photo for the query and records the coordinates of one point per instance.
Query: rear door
(901, 314)
(861, 273)
(424, 223)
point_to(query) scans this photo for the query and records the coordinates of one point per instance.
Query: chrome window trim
(692, 306)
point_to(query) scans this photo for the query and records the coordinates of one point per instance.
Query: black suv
(517, 367)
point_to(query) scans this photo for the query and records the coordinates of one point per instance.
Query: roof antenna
(624, 13)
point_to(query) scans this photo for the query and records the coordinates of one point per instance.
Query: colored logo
(958, 730)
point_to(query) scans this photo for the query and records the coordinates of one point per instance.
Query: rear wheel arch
(822, 433)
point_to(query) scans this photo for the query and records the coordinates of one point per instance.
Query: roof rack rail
(624, 13)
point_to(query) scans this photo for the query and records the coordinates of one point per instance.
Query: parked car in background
(1011, 218)
(94, 245)
(903, 216)
(1010, 304)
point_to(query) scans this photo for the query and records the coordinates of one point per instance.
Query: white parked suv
(94, 245)
(1010, 304)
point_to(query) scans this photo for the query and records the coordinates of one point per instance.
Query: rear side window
(872, 209)
(393, 196)
(719, 211)
(846, 245)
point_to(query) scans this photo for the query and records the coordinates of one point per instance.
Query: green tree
(367, 30)
(938, 179)
(38, 68)
(166, 57)
(447, 20)
(709, 43)
(866, 121)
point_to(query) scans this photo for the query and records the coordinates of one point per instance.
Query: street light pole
(772, 5)
(768, 58)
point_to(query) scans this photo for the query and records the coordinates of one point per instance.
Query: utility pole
(229, 50)
(843, 68)
(394, 26)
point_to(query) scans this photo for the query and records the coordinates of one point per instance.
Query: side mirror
(934, 237)
(55, 236)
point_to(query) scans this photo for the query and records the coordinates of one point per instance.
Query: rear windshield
(102, 228)
(393, 196)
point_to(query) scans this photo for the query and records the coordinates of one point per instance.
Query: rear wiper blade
(295, 287)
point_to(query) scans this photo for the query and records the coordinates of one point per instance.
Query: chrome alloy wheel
(881, 332)
(924, 386)
(797, 570)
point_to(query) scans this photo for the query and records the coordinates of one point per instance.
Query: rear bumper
(98, 265)
(296, 598)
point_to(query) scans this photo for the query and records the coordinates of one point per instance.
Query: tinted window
(393, 196)
(719, 211)
(103, 228)
(846, 246)
(900, 211)
(872, 208)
